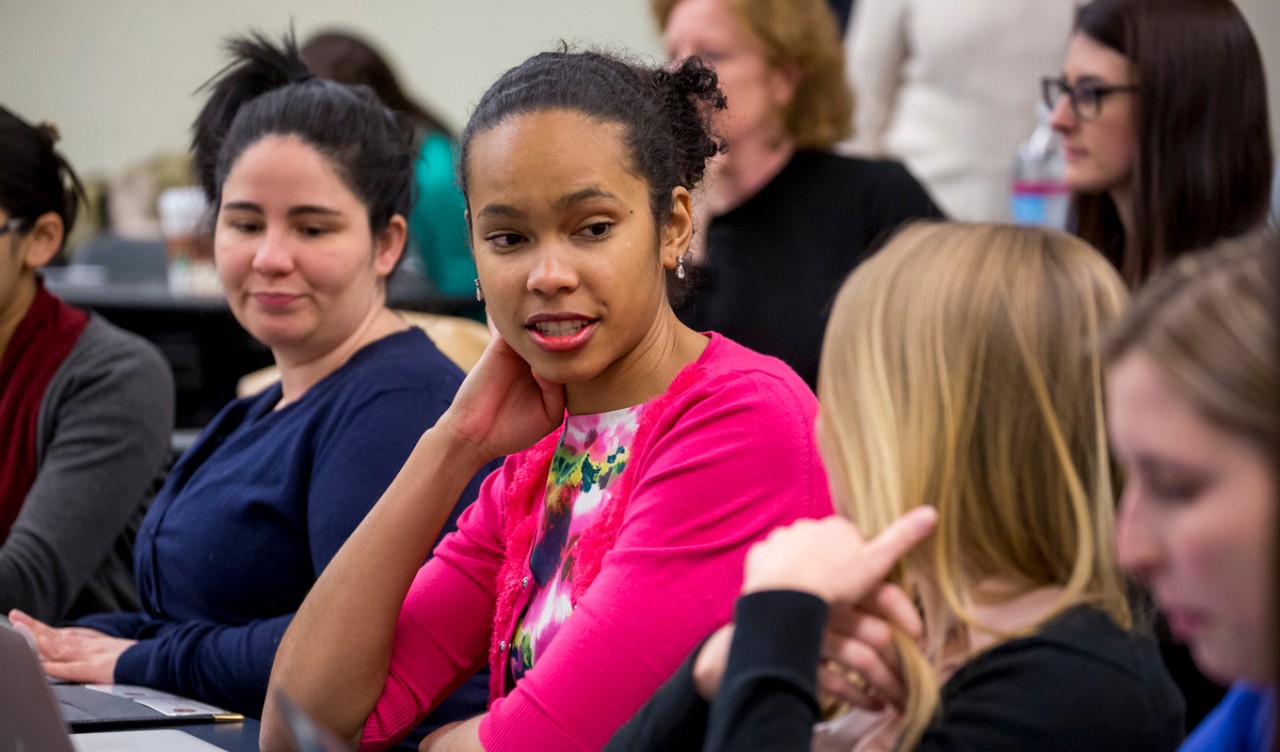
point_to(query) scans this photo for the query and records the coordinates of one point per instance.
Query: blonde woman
(960, 373)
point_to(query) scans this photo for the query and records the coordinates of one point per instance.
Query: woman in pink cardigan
(645, 457)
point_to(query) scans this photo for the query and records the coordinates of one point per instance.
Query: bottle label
(1040, 203)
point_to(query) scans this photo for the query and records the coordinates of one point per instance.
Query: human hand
(860, 663)
(829, 557)
(708, 667)
(503, 407)
(73, 653)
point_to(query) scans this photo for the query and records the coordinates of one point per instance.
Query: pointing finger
(899, 537)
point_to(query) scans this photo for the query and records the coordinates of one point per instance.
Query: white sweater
(950, 88)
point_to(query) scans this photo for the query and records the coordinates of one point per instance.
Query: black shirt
(776, 261)
(1080, 683)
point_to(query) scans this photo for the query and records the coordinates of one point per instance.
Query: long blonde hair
(961, 369)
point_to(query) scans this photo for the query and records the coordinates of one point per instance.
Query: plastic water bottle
(1039, 195)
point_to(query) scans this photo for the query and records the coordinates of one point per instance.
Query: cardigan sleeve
(731, 459)
(227, 666)
(442, 633)
(673, 720)
(112, 415)
(356, 458)
(876, 51)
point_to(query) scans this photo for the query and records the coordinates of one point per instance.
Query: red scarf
(43, 340)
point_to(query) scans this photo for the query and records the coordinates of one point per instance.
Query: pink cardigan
(726, 454)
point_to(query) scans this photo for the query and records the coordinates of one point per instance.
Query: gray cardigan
(102, 439)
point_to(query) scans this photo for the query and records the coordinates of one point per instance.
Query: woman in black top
(786, 219)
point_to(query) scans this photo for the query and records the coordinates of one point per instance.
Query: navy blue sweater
(253, 512)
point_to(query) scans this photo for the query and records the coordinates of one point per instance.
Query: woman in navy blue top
(312, 181)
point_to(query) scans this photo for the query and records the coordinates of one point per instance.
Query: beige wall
(1264, 17)
(118, 77)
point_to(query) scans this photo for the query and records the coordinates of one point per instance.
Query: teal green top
(437, 228)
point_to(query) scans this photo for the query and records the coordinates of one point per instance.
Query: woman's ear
(389, 245)
(785, 77)
(41, 243)
(678, 231)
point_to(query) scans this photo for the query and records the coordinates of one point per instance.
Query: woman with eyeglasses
(86, 409)
(1162, 108)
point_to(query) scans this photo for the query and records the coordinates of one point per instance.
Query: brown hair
(1204, 164)
(803, 33)
(345, 58)
(34, 176)
(1208, 322)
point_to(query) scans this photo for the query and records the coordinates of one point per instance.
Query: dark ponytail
(268, 90)
(34, 178)
(665, 114)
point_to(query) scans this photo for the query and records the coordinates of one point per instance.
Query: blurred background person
(86, 409)
(949, 88)
(311, 181)
(785, 217)
(1194, 415)
(842, 10)
(1162, 107)
(437, 229)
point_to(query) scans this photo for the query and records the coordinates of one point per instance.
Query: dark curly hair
(267, 90)
(665, 113)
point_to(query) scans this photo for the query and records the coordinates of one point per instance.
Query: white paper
(171, 705)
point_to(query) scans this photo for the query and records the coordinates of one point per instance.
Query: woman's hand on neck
(750, 162)
(300, 372)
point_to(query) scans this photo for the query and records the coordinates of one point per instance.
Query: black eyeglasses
(13, 225)
(1085, 97)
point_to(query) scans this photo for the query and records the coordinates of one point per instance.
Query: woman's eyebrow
(586, 194)
(500, 210)
(313, 209)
